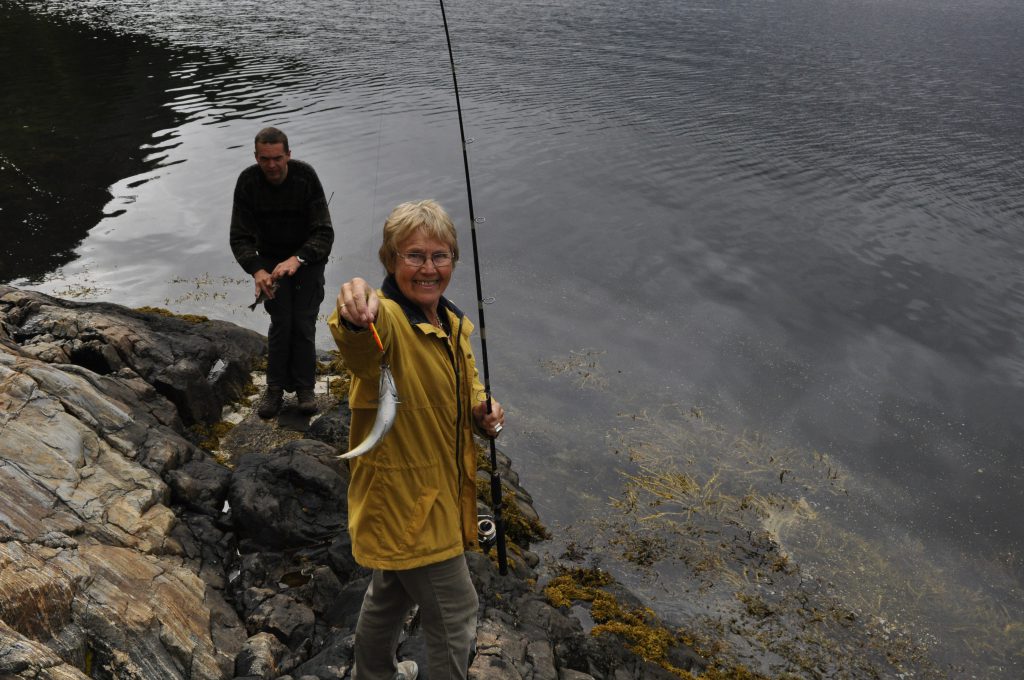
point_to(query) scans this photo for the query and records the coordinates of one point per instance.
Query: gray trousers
(448, 605)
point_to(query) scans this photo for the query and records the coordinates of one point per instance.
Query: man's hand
(264, 283)
(286, 268)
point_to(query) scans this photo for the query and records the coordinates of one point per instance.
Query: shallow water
(800, 219)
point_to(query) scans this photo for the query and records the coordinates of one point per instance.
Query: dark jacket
(270, 223)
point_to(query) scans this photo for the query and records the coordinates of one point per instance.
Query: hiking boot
(270, 404)
(307, 402)
(407, 670)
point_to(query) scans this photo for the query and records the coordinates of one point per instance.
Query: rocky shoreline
(127, 550)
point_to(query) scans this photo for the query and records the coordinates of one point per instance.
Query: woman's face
(423, 284)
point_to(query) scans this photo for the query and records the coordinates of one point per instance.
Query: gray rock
(291, 621)
(500, 653)
(86, 516)
(260, 657)
(197, 366)
(544, 621)
(570, 674)
(541, 656)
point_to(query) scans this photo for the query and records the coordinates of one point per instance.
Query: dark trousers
(291, 355)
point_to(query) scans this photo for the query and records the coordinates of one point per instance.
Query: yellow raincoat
(412, 500)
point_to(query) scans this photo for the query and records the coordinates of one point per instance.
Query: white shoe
(407, 670)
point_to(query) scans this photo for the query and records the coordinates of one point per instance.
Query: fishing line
(380, 127)
(496, 501)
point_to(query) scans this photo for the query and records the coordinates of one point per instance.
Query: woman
(412, 500)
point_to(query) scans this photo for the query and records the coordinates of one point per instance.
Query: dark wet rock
(200, 485)
(332, 427)
(570, 674)
(287, 498)
(344, 611)
(205, 545)
(339, 556)
(333, 660)
(287, 619)
(542, 621)
(323, 590)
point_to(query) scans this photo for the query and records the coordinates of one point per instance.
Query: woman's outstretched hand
(358, 302)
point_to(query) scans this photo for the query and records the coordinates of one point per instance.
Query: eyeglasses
(419, 259)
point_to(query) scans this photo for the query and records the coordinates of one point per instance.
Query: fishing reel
(486, 531)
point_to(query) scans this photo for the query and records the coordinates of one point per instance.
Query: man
(281, 234)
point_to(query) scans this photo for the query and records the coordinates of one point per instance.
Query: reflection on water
(77, 105)
(800, 218)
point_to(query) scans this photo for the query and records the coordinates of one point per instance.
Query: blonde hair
(408, 218)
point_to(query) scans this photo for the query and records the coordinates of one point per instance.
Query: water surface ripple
(799, 218)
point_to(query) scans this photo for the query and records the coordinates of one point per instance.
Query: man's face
(273, 161)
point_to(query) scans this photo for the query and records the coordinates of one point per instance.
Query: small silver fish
(262, 297)
(387, 407)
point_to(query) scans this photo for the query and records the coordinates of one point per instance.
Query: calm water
(801, 218)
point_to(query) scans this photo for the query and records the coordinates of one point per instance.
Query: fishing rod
(496, 500)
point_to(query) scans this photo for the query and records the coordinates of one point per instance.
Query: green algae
(638, 628)
(205, 288)
(208, 436)
(160, 311)
(339, 379)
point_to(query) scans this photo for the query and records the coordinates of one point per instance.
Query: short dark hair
(271, 135)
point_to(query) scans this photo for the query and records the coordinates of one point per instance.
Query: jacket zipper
(453, 355)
